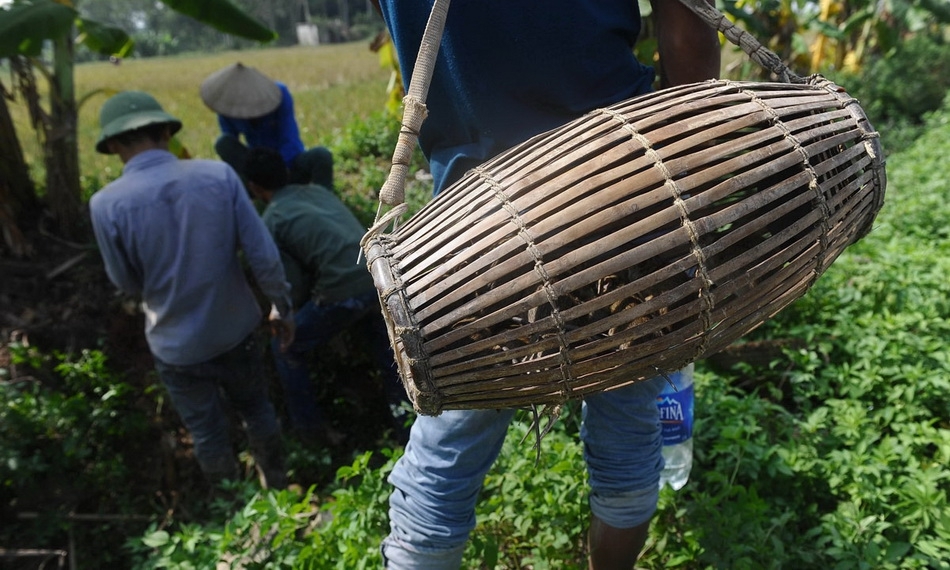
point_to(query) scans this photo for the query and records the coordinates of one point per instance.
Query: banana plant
(850, 31)
(780, 25)
(26, 27)
(818, 35)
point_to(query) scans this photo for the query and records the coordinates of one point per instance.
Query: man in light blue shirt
(169, 231)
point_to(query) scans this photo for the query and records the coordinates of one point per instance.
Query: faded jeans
(196, 393)
(438, 479)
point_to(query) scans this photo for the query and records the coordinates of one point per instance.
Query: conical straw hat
(240, 92)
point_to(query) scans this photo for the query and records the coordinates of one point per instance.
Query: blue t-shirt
(510, 69)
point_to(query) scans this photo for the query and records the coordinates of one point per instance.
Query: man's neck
(259, 192)
(127, 153)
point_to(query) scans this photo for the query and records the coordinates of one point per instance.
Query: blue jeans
(438, 479)
(196, 393)
(316, 325)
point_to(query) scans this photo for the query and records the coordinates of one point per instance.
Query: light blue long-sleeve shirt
(169, 231)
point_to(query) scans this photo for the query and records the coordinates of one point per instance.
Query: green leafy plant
(832, 453)
(533, 509)
(899, 88)
(835, 456)
(65, 425)
(363, 158)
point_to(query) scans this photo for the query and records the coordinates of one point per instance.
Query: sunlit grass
(331, 84)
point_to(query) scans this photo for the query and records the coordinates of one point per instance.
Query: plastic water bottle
(675, 403)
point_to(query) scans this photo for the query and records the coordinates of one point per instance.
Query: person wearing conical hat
(259, 110)
(169, 232)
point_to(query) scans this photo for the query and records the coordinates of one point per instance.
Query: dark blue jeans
(197, 393)
(316, 325)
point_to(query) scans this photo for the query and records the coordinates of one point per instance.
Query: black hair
(153, 133)
(265, 167)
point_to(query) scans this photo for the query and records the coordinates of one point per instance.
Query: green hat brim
(134, 122)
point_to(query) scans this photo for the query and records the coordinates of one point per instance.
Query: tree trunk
(61, 150)
(345, 14)
(18, 203)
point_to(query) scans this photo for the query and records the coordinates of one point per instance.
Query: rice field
(332, 84)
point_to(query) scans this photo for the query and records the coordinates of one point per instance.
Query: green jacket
(319, 242)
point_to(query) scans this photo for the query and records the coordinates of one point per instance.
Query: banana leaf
(103, 39)
(223, 16)
(24, 26)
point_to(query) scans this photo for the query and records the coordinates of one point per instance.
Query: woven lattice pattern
(637, 238)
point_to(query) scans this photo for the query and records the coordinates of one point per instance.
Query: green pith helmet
(128, 111)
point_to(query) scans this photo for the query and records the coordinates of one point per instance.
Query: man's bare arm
(689, 47)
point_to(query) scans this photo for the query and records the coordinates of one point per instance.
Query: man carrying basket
(506, 71)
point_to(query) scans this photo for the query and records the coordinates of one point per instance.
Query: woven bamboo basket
(631, 241)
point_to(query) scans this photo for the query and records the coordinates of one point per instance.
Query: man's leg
(195, 395)
(314, 165)
(306, 415)
(622, 447)
(614, 548)
(436, 485)
(244, 384)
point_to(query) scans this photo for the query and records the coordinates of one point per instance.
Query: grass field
(331, 84)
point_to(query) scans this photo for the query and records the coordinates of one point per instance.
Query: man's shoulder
(294, 193)
(205, 165)
(171, 166)
(211, 173)
(296, 203)
(138, 187)
(101, 198)
(122, 189)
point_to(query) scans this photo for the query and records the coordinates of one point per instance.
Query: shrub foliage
(834, 455)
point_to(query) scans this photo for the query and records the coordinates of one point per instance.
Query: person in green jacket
(318, 238)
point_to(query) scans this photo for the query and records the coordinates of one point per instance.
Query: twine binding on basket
(686, 238)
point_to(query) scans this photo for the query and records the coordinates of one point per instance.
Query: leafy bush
(343, 531)
(65, 425)
(59, 433)
(263, 534)
(363, 158)
(839, 459)
(872, 390)
(900, 88)
(910, 82)
(283, 529)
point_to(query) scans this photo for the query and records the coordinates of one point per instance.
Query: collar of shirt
(147, 159)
